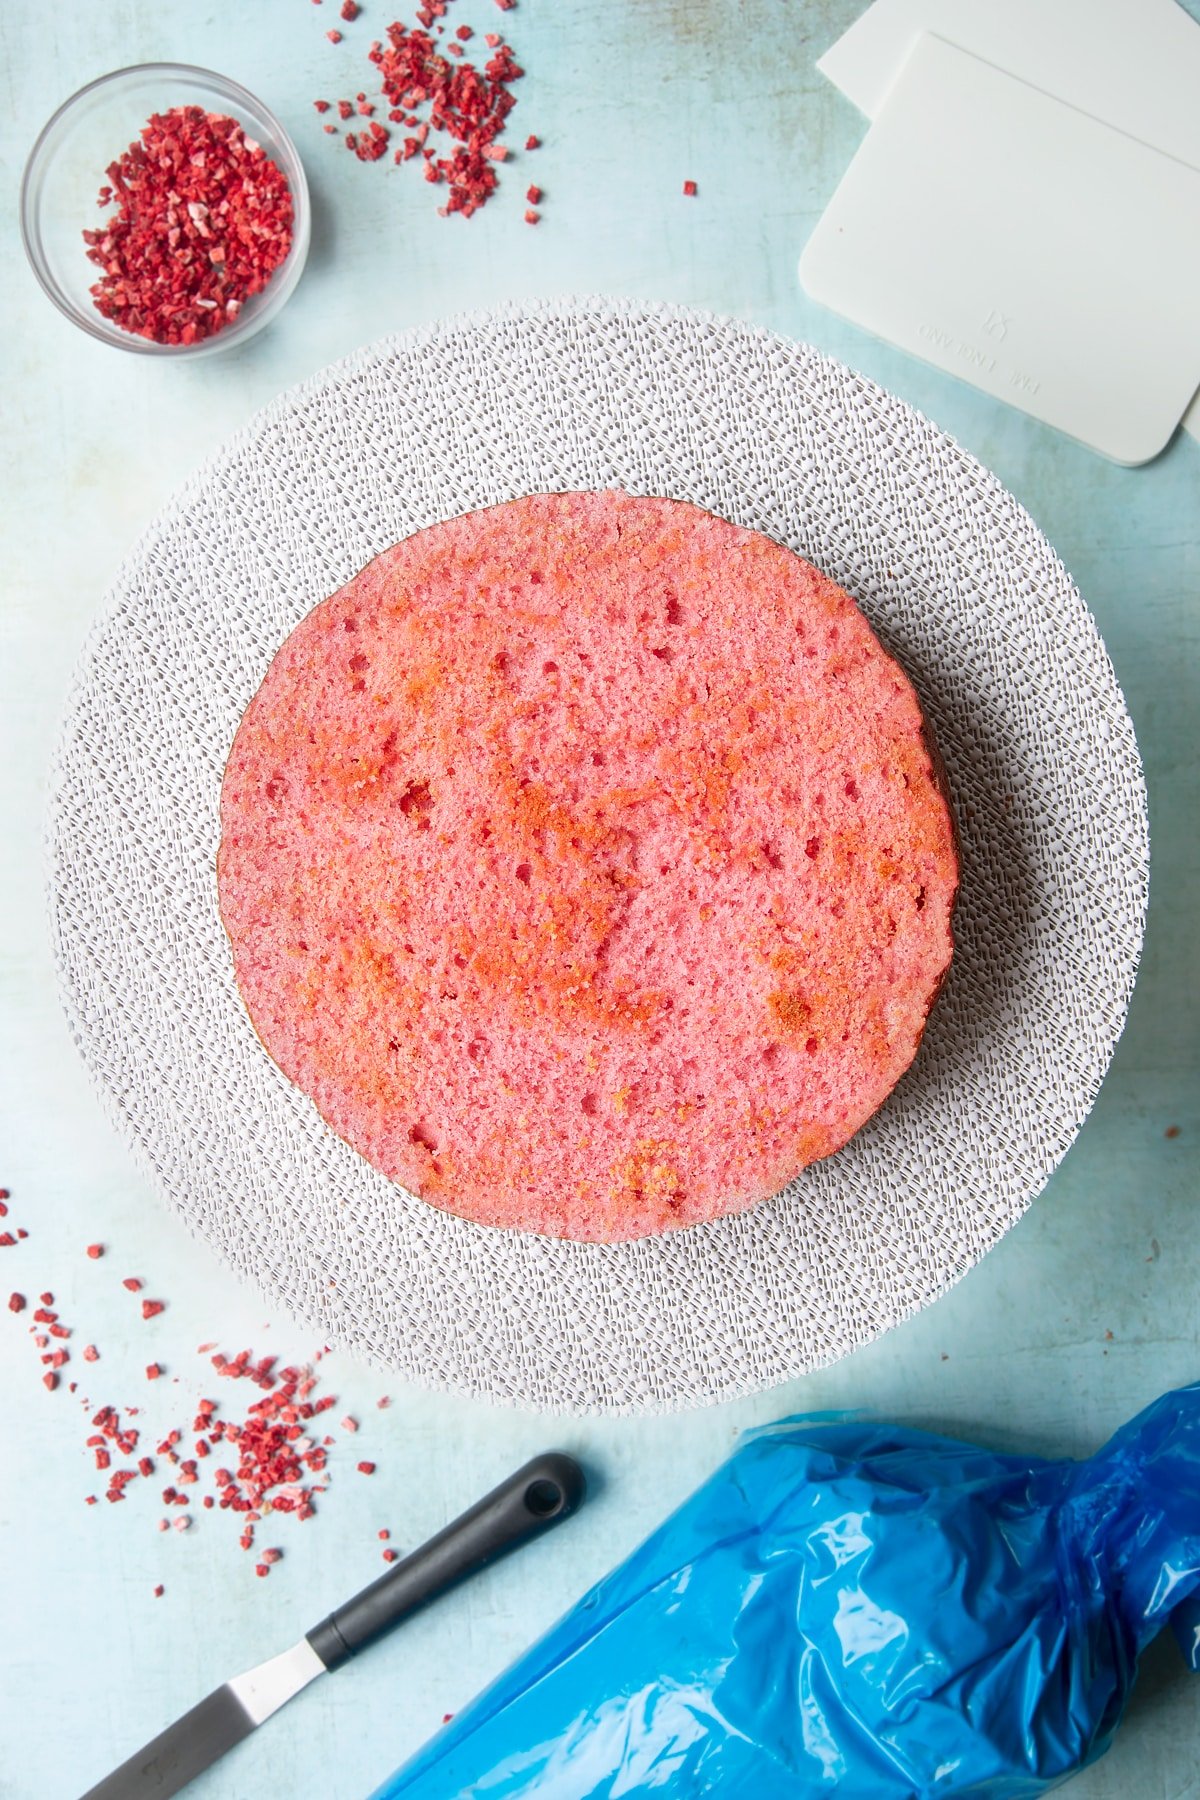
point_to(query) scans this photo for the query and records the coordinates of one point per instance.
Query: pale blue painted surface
(631, 97)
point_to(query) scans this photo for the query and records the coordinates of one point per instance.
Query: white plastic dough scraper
(1134, 64)
(1014, 240)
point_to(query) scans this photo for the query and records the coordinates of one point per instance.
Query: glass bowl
(66, 170)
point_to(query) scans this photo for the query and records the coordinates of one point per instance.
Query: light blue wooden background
(631, 97)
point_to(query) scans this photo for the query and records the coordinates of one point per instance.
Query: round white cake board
(959, 583)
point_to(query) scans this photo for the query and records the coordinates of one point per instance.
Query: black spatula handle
(546, 1490)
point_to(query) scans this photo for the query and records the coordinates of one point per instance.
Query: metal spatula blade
(221, 1720)
(541, 1493)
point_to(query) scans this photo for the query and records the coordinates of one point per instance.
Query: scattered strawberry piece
(385, 1534)
(389, 1556)
(689, 188)
(7, 1240)
(533, 195)
(16, 1303)
(322, 106)
(349, 1424)
(95, 1251)
(274, 1452)
(152, 1308)
(532, 143)
(469, 105)
(368, 146)
(158, 1592)
(133, 1284)
(366, 1468)
(335, 37)
(532, 216)
(350, 10)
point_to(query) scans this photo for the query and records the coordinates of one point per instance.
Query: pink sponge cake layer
(586, 861)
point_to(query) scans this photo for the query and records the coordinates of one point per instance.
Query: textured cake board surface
(961, 586)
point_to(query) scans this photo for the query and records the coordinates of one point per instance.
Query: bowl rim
(236, 90)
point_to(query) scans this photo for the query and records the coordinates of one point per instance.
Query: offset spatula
(546, 1490)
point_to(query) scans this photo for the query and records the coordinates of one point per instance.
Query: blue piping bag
(857, 1610)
